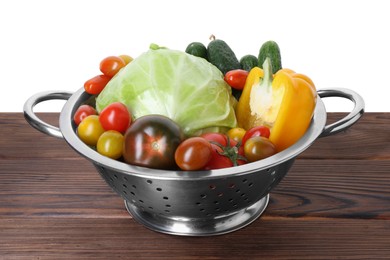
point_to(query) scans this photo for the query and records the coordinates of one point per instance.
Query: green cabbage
(188, 89)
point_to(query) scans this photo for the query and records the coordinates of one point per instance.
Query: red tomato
(111, 65)
(236, 78)
(115, 117)
(96, 84)
(193, 154)
(218, 161)
(82, 112)
(215, 137)
(256, 131)
(223, 155)
(151, 141)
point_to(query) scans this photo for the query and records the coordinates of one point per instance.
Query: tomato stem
(230, 152)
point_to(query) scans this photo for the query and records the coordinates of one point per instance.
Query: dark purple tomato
(257, 148)
(151, 141)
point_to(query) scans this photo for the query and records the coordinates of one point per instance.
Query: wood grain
(268, 238)
(333, 204)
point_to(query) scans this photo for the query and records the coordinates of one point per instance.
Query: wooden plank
(56, 187)
(368, 139)
(74, 238)
(334, 189)
(19, 140)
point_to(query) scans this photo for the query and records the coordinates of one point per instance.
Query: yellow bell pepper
(284, 102)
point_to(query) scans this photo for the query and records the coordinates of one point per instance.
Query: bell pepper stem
(267, 77)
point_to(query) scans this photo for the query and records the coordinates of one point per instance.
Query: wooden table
(333, 204)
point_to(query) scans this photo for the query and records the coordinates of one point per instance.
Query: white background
(57, 45)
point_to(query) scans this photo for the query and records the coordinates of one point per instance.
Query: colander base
(198, 227)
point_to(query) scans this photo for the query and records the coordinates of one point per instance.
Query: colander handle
(34, 120)
(349, 119)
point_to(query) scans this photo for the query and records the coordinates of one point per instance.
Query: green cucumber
(197, 49)
(248, 62)
(222, 56)
(270, 49)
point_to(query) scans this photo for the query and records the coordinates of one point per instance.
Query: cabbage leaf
(188, 89)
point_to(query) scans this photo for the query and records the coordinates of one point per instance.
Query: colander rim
(68, 127)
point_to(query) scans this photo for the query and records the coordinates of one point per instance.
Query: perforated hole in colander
(225, 197)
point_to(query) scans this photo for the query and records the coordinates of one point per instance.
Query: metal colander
(200, 203)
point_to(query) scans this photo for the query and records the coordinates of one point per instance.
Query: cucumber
(222, 56)
(248, 62)
(270, 49)
(197, 49)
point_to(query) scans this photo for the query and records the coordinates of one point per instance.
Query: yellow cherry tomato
(110, 144)
(126, 58)
(90, 129)
(236, 134)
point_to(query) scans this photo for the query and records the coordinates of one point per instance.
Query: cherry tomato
(236, 78)
(96, 84)
(151, 141)
(218, 161)
(126, 58)
(82, 112)
(110, 144)
(116, 117)
(215, 137)
(223, 155)
(193, 154)
(236, 134)
(258, 147)
(256, 131)
(111, 65)
(90, 129)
